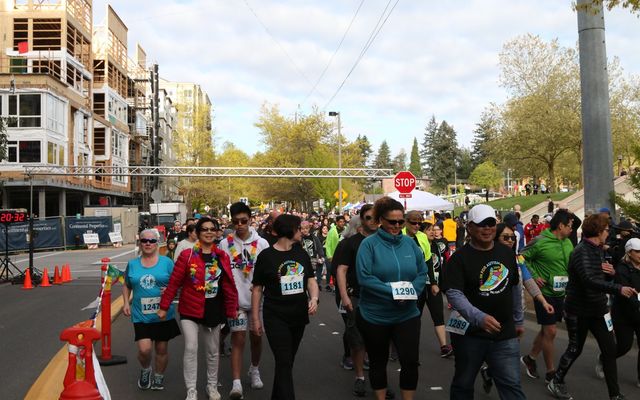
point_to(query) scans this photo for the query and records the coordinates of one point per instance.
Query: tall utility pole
(596, 118)
(337, 114)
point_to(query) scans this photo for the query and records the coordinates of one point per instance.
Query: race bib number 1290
(403, 290)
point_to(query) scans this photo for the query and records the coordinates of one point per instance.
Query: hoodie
(547, 257)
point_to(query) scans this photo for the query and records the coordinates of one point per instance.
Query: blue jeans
(501, 356)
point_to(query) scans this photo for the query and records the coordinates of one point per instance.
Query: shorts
(549, 319)
(235, 327)
(352, 333)
(162, 331)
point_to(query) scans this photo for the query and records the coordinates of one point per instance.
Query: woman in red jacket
(209, 296)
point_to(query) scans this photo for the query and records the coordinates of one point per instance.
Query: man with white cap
(480, 281)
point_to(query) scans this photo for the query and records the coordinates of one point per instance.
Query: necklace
(211, 271)
(236, 256)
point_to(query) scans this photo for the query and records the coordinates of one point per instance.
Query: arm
(341, 275)
(177, 276)
(579, 261)
(312, 287)
(319, 246)
(518, 313)
(126, 297)
(256, 299)
(421, 278)
(460, 303)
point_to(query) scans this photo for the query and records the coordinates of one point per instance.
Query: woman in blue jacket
(392, 273)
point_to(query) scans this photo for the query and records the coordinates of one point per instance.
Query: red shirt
(532, 230)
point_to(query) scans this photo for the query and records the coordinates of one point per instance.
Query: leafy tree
(486, 175)
(400, 161)
(414, 162)
(632, 5)
(444, 147)
(632, 208)
(194, 145)
(464, 163)
(426, 152)
(383, 157)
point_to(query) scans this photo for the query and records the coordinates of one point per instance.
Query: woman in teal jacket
(392, 273)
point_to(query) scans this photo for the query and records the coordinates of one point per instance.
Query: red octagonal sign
(404, 181)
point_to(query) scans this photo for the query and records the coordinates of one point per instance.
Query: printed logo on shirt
(147, 281)
(307, 244)
(493, 278)
(291, 267)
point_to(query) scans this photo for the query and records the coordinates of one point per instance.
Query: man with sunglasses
(243, 247)
(481, 283)
(547, 258)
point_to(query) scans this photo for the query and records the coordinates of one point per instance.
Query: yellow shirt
(449, 227)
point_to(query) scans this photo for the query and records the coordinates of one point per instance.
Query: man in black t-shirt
(480, 281)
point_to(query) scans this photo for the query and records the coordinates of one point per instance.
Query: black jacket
(588, 284)
(627, 309)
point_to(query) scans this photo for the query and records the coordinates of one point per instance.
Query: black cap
(510, 220)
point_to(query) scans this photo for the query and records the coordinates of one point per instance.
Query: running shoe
(548, 377)
(212, 392)
(393, 355)
(359, 388)
(599, 368)
(236, 390)
(192, 394)
(559, 390)
(347, 363)
(487, 382)
(530, 365)
(254, 376)
(365, 365)
(158, 382)
(446, 351)
(144, 382)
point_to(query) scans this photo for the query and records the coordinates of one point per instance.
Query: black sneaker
(530, 365)
(158, 382)
(359, 388)
(548, 377)
(446, 351)
(487, 382)
(559, 390)
(144, 382)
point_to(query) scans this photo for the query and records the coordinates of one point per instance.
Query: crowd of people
(247, 275)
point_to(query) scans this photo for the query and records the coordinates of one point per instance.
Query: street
(32, 321)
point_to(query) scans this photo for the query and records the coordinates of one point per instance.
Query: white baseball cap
(632, 244)
(481, 212)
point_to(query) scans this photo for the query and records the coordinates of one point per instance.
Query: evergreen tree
(365, 149)
(383, 158)
(414, 163)
(400, 161)
(445, 148)
(426, 153)
(464, 164)
(481, 137)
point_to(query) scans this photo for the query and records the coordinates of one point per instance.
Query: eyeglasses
(486, 223)
(148, 241)
(240, 221)
(414, 222)
(212, 229)
(368, 217)
(394, 221)
(509, 237)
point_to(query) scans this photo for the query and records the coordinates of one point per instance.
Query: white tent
(423, 201)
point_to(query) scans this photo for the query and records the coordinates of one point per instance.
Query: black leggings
(624, 339)
(577, 329)
(376, 340)
(435, 304)
(284, 341)
(345, 342)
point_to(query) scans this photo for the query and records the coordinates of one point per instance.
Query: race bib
(403, 290)
(456, 324)
(211, 291)
(608, 321)
(436, 277)
(291, 284)
(560, 283)
(150, 305)
(239, 324)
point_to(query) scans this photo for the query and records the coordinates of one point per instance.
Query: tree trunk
(552, 185)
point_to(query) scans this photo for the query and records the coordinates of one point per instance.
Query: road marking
(335, 333)
(436, 388)
(38, 257)
(322, 324)
(116, 256)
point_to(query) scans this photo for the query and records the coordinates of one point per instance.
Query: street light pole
(337, 114)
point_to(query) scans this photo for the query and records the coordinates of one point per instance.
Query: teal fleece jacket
(384, 258)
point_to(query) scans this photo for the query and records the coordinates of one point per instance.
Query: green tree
(426, 152)
(383, 157)
(464, 163)
(482, 135)
(414, 161)
(444, 147)
(631, 208)
(400, 161)
(486, 175)
(632, 5)
(364, 146)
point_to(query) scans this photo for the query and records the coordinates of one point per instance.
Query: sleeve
(127, 279)
(529, 253)
(332, 242)
(318, 244)
(623, 278)
(258, 272)
(230, 297)
(460, 303)
(341, 255)
(366, 279)
(175, 281)
(430, 271)
(518, 313)
(452, 275)
(580, 261)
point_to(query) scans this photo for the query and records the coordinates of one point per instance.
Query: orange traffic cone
(57, 279)
(65, 275)
(27, 280)
(45, 279)
(69, 278)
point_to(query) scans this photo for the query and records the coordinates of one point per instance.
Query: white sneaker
(236, 391)
(212, 392)
(254, 375)
(192, 394)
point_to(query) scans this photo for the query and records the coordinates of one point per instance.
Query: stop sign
(404, 181)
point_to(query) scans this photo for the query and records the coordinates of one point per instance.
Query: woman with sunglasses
(392, 273)
(146, 277)
(208, 297)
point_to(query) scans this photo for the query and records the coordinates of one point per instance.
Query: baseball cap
(632, 244)
(481, 212)
(510, 220)
(604, 210)
(624, 226)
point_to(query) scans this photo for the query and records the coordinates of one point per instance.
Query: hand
(313, 306)
(347, 304)
(491, 325)
(435, 290)
(519, 330)
(628, 291)
(608, 269)
(162, 314)
(540, 282)
(548, 308)
(126, 309)
(256, 327)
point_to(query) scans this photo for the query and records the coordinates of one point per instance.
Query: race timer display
(12, 216)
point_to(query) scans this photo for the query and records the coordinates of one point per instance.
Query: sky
(429, 58)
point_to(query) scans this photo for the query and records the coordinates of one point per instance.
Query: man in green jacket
(547, 258)
(333, 237)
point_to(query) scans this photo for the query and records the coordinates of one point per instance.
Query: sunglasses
(240, 221)
(509, 237)
(487, 223)
(394, 221)
(207, 229)
(414, 222)
(147, 241)
(368, 217)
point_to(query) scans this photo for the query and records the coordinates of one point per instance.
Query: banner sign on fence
(77, 227)
(48, 234)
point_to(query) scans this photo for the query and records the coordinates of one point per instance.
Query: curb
(49, 384)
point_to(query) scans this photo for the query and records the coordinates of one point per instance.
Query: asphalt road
(31, 322)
